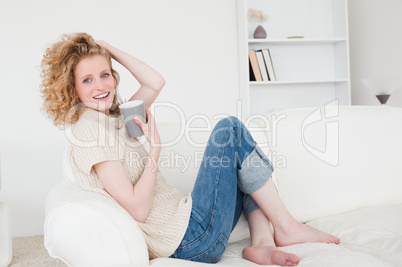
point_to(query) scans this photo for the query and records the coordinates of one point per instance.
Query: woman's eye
(87, 80)
(105, 75)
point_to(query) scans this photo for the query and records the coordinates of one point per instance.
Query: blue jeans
(232, 168)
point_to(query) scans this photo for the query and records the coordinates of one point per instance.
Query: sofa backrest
(336, 159)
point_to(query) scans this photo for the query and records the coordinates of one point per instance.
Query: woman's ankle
(263, 243)
(286, 226)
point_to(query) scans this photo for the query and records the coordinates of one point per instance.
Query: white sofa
(338, 169)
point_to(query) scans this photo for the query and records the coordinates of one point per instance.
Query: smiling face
(94, 83)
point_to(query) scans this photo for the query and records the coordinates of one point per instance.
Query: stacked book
(261, 68)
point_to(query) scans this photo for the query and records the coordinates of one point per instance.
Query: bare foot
(267, 255)
(301, 233)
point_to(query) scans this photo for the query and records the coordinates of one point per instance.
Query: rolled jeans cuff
(255, 171)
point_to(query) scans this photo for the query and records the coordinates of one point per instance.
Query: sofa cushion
(374, 230)
(336, 159)
(310, 254)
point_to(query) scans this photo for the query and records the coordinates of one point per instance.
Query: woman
(79, 89)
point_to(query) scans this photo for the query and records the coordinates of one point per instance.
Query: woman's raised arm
(150, 80)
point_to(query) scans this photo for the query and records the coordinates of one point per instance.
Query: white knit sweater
(96, 138)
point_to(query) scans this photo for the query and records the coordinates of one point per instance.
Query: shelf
(298, 82)
(296, 41)
(310, 71)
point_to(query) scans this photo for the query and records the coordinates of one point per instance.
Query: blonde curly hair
(58, 81)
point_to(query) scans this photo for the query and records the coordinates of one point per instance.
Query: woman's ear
(115, 81)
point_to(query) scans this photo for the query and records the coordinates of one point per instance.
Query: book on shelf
(254, 68)
(268, 64)
(261, 64)
(252, 77)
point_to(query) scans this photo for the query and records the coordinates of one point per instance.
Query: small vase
(260, 32)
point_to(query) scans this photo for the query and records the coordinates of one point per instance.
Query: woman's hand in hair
(104, 44)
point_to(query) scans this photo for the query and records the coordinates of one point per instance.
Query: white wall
(193, 44)
(375, 46)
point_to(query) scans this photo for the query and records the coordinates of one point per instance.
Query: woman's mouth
(102, 96)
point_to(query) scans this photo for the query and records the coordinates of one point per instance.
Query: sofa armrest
(84, 228)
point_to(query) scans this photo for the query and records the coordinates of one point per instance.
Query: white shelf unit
(310, 71)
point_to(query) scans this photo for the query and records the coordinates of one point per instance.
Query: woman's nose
(99, 84)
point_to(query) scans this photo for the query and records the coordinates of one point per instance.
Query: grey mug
(128, 111)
